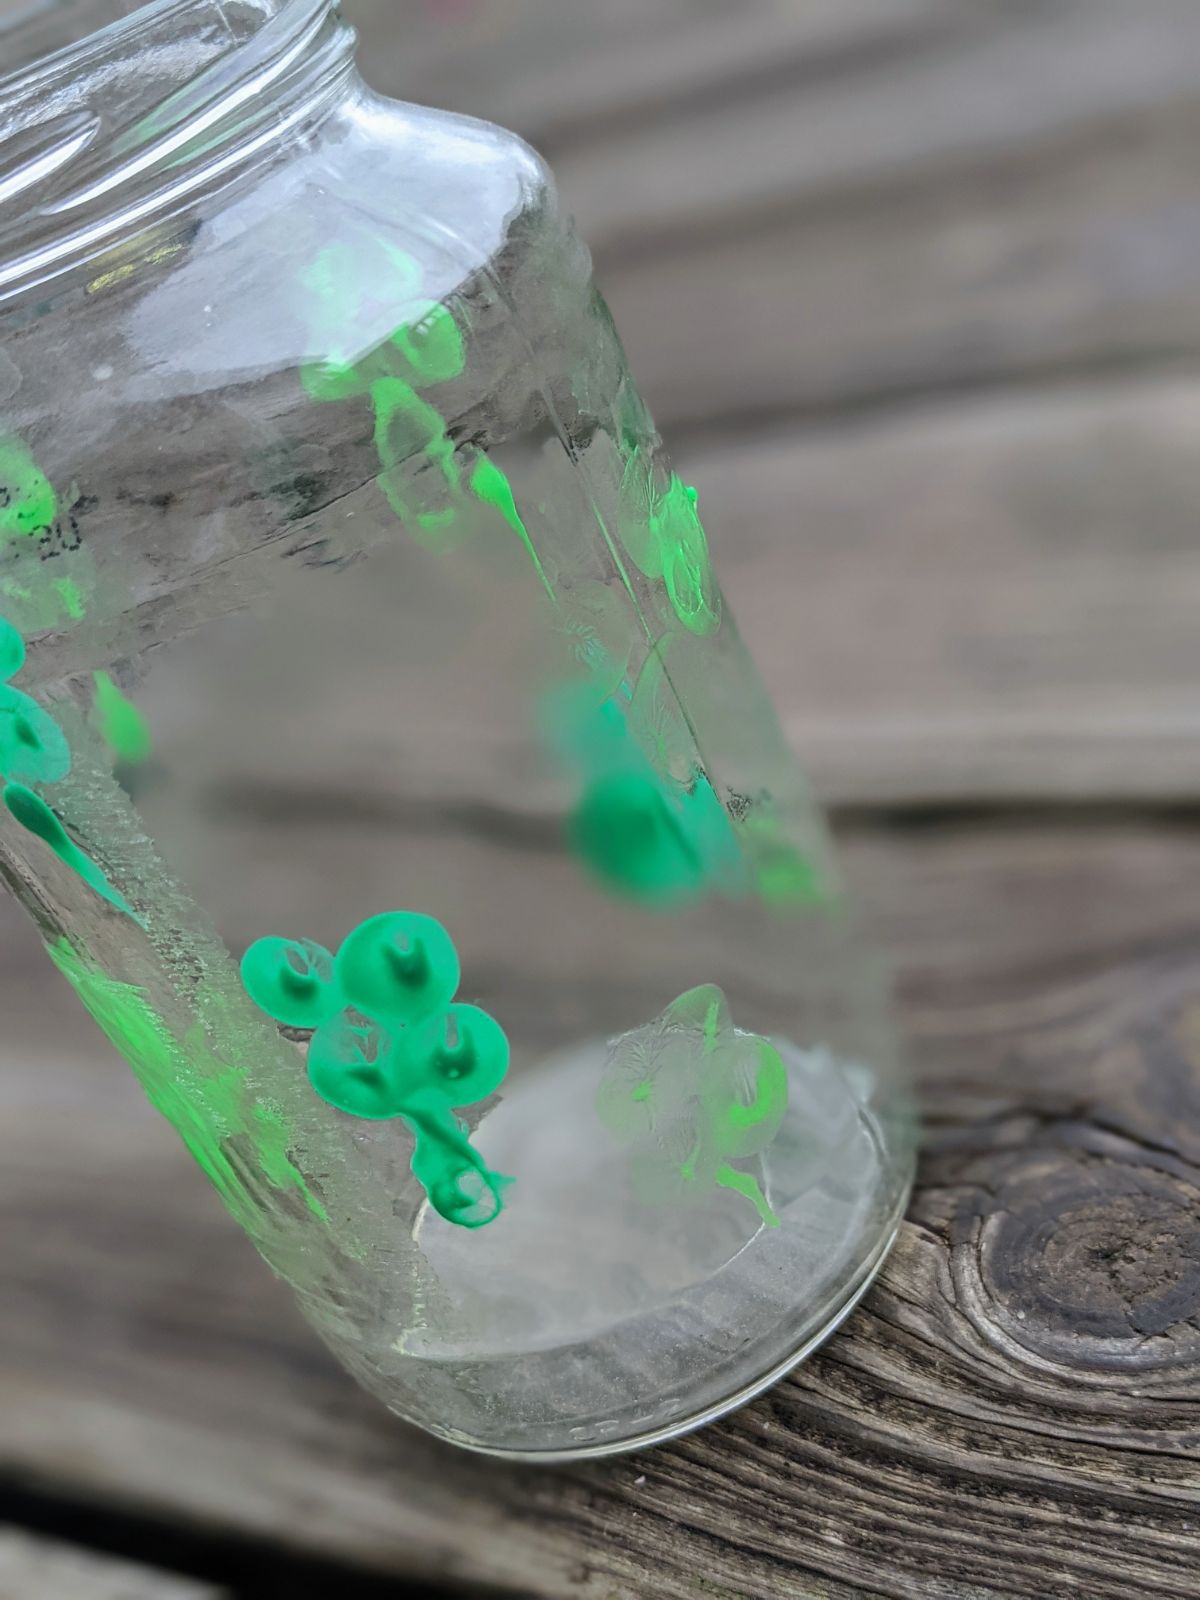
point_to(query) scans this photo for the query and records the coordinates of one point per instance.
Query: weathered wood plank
(1015, 1410)
(1006, 196)
(989, 603)
(42, 1569)
(552, 71)
(1066, 256)
(994, 79)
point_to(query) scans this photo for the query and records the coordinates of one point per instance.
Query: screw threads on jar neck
(112, 129)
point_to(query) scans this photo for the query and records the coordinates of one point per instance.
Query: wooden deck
(914, 288)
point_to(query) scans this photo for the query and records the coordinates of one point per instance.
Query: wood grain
(912, 286)
(985, 604)
(43, 1569)
(1014, 1411)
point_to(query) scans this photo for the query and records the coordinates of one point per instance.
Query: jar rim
(128, 120)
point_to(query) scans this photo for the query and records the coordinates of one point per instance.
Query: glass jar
(382, 765)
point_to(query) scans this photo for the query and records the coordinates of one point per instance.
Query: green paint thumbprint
(389, 1041)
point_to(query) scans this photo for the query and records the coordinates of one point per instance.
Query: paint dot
(291, 980)
(400, 965)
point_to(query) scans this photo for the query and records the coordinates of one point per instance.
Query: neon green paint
(641, 833)
(491, 485)
(389, 1041)
(631, 836)
(291, 980)
(12, 650)
(200, 1096)
(660, 527)
(36, 817)
(694, 1095)
(430, 343)
(727, 1177)
(122, 726)
(345, 289)
(32, 746)
(405, 424)
(71, 595)
(28, 503)
(401, 966)
(687, 571)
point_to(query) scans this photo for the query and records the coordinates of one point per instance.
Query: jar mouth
(111, 127)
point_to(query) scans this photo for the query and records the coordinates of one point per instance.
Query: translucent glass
(384, 768)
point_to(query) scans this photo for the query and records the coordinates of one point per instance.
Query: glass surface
(383, 765)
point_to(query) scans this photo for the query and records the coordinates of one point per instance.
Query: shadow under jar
(381, 763)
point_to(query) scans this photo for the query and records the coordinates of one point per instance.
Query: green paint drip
(491, 485)
(203, 1099)
(727, 1177)
(36, 817)
(390, 1043)
(692, 1095)
(122, 726)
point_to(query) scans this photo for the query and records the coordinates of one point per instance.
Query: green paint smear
(122, 726)
(36, 817)
(692, 1095)
(72, 599)
(202, 1098)
(32, 513)
(28, 503)
(389, 1042)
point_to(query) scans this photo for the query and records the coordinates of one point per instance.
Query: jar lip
(101, 135)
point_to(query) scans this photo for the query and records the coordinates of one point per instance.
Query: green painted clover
(693, 1095)
(34, 749)
(389, 1040)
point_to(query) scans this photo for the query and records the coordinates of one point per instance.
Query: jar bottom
(605, 1311)
(690, 1421)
